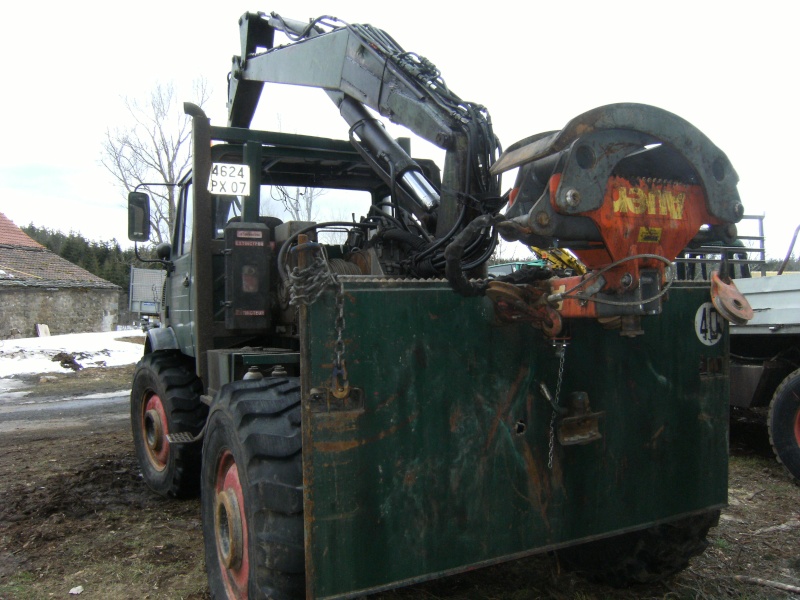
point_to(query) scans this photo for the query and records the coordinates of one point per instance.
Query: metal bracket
(580, 426)
(729, 301)
(323, 400)
(184, 437)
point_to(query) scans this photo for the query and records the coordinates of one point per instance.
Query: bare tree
(298, 202)
(154, 149)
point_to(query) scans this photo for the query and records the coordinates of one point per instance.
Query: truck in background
(765, 352)
(146, 294)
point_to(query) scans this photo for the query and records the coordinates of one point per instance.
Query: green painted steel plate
(441, 463)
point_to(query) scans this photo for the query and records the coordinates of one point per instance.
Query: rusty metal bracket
(322, 400)
(729, 301)
(516, 302)
(581, 425)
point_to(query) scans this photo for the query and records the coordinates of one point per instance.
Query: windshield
(288, 203)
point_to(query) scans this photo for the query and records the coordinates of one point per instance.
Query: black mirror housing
(138, 217)
(164, 251)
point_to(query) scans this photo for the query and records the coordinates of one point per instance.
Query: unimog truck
(372, 411)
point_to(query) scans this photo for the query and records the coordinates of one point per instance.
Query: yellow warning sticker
(650, 235)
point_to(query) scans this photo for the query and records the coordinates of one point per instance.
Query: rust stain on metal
(529, 405)
(308, 525)
(386, 403)
(344, 445)
(455, 419)
(502, 409)
(540, 486)
(654, 439)
(340, 422)
(410, 479)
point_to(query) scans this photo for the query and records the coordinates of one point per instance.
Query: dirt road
(74, 512)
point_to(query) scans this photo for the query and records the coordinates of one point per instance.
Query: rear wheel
(641, 556)
(252, 492)
(165, 398)
(784, 423)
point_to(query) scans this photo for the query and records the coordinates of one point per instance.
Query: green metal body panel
(179, 300)
(428, 470)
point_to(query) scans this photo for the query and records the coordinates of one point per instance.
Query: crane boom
(362, 66)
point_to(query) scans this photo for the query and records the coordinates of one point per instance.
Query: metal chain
(339, 326)
(306, 286)
(562, 352)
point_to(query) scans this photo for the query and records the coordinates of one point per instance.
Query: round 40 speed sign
(708, 324)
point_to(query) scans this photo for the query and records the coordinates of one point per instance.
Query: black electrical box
(247, 261)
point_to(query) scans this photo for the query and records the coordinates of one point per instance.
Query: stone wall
(126, 317)
(63, 310)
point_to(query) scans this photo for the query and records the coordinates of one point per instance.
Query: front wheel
(642, 556)
(165, 398)
(784, 423)
(252, 492)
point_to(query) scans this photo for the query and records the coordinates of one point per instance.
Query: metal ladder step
(184, 437)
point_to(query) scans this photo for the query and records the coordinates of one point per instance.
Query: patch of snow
(6, 385)
(34, 355)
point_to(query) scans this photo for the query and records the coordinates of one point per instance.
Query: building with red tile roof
(39, 287)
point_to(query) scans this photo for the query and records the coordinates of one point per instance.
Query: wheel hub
(154, 430)
(228, 529)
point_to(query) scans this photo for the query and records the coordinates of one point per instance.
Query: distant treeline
(104, 259)
(109, 261)
(774, 264)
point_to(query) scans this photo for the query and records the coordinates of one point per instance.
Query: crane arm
(362, 66)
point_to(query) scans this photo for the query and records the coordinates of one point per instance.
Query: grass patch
(722, 544)
(18, 585)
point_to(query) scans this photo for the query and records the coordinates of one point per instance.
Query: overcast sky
(730, 68)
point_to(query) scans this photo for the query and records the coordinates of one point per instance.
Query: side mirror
(138, 217)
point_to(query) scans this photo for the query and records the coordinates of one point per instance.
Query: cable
(296, 37)
(596, 274)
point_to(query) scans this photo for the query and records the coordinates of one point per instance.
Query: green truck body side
(442, 461)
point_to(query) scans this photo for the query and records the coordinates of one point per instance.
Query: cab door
(180, 284)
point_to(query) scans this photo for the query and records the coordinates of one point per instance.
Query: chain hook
(561, 352)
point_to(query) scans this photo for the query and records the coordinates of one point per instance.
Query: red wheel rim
(230, 527)
(154, 431)
(797, 427)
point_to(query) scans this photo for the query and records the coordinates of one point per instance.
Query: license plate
(229, 180)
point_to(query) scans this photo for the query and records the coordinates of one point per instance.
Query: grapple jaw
(626, 187)
(615, 170)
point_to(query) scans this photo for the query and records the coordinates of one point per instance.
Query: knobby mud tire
(784, 424)
(252, 491)
(165, 398)
(642, 556)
